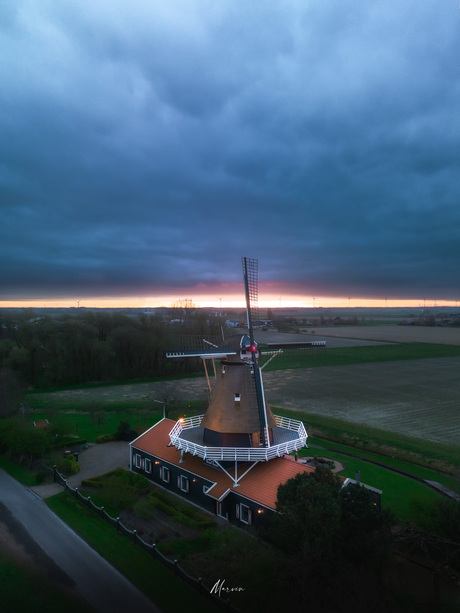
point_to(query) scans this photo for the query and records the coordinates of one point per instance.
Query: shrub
(145, 508)
(92, 482)
(105, 438)
(68, 466)
(40, 477)
(120, 489)
(124, 432)
(181, 512)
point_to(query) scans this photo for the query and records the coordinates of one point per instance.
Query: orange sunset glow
(226, 302)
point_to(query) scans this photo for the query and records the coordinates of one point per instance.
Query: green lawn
(392, 462)
(156, 581)
(21, 474)
(88, 428)
(52, 403)
(407, 498)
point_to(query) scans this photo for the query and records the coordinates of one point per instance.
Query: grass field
(169, 592)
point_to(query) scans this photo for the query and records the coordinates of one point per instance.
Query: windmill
(238, 428)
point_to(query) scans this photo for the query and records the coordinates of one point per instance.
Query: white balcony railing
(239, 454)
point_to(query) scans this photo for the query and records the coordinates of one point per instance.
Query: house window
(183, 483)
(165, 474)
(138, 460)
(244, 514)
(148, 465)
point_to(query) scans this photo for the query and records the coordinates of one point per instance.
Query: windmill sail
(251, 287)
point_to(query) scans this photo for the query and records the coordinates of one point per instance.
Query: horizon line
(225, 303)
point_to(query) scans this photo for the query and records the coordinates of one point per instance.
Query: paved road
(92, 577)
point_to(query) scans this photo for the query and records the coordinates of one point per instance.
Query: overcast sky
(145, 146)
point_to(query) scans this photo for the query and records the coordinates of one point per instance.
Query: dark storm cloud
(150, 145)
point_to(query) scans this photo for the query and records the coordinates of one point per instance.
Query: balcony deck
(289, 435)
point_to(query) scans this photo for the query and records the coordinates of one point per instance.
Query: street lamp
(164, 406)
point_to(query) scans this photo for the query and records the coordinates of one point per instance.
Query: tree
(364, 531)
(309, 516)
(445, 517)
(10, 393)
(21, 441)
(329, 531)
(124, 432)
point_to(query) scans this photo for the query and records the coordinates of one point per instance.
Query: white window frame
(165, 474)
(183, 483)
(138, 461)
(148, 466)
(244, 513)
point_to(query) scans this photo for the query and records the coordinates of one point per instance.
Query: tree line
(90, 346)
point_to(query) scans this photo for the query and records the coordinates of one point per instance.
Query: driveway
(94, 461)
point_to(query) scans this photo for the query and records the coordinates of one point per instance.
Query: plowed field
(414, 397)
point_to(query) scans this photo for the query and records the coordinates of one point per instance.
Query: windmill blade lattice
(251, 284)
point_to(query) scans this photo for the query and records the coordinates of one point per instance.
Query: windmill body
(232, 418)
(238, 427)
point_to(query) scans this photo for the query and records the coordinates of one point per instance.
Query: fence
(297, 440)
(151, 549)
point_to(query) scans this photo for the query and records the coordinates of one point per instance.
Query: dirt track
(393, 334)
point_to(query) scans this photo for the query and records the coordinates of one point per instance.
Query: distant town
(272, 317)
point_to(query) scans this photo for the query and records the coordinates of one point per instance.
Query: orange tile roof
(260, 484)
(41, 423)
